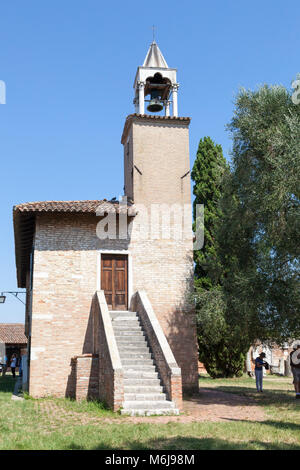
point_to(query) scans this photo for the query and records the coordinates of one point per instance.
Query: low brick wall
(87, 377)
(168, 369)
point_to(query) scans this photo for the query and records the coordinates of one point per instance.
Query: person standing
(295, 366)
(13, 364)
(259, 364)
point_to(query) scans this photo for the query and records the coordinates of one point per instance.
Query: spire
(154, 57)
(156, 79)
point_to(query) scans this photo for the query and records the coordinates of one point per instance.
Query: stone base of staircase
(143, 391)
(147, 412)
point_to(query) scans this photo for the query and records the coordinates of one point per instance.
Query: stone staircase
(143, 392)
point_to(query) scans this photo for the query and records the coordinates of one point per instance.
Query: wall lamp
(14, 293)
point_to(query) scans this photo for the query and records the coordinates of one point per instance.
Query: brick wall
(64, 282)
(66, 267)
(87, 377)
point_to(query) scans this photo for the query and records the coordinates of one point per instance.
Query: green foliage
(251, 287)
(207, 174)
(258, 235)
(218, 347)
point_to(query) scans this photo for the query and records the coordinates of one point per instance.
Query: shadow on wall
(92, 369)
(76, 232)
(71, 382)
(88, 343)
(182, 339)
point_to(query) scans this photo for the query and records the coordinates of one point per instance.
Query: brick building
(108, 313)
(12, 340)
(278, 357)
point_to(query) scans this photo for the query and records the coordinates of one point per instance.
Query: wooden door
(114, 280)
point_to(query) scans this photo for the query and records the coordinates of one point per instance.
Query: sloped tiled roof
(75, 206)
(12, 333)
(24, 216)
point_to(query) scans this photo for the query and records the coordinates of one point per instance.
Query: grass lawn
(65, 424)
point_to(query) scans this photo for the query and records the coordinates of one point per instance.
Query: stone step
(130, 341)
(132, 381)
(143, 392)
(125, 320)
(133, 346)
(122, 314)
(128, 329)
(137, 361)
(140, 374)
(143, 389)
(131, 358)
(116, 321)
(128, 325)
(137, 343)
(130, 354)
(139, 367)
(130, 334)
(148, 405)
(147, 412)
(144, 396)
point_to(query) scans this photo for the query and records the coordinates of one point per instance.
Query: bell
(155, 104)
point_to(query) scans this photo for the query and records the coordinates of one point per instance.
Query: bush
(220, 344)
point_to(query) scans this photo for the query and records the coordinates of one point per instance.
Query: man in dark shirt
(259, 363)
(295, 366)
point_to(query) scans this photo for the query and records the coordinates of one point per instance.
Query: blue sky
(69, 68)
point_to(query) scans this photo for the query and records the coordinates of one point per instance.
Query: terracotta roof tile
(12, 333)
(76, 206)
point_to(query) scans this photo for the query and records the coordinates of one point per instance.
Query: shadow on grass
(7, 384)
(268, 397)
(232, 395)
(191, 443)
(281, 425)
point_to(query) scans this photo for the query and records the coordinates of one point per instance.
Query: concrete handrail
(111, 374)
(167, 352)
(168, 368)
(109, 332)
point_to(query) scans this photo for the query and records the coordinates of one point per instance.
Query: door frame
(129, 269)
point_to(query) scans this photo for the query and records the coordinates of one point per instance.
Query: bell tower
(155, 83)
(157, 180)
(156, 146)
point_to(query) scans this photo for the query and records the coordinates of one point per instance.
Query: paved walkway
(214, 405)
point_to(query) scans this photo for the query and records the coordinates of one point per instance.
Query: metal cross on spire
(153, 32)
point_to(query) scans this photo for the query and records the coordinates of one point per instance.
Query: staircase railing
(111, 374)
(165, 361)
